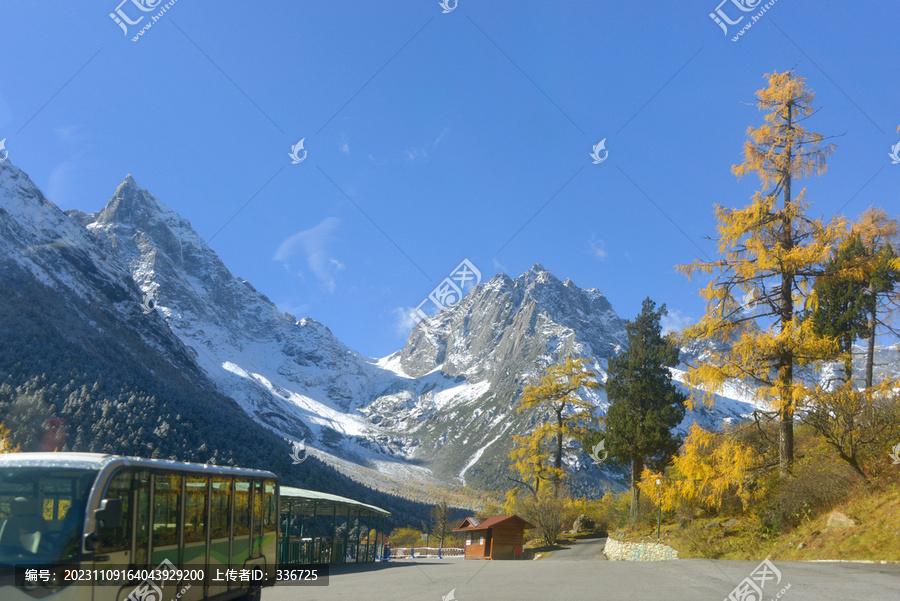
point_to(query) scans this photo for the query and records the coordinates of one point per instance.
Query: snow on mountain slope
(39, 238)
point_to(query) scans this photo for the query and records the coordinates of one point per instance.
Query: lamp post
(659, 505)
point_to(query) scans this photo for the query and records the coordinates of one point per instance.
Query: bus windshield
(42, 513)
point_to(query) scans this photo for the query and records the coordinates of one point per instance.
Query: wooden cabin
(495, 537)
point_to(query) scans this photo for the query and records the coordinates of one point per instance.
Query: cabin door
(487, 543)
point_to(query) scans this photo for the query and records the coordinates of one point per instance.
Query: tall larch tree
(570, 418)
(770, 254)
(645, 404)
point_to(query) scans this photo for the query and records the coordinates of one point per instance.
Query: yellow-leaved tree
(537, 457)
(771, 251)
(712, 467)
(6, 445)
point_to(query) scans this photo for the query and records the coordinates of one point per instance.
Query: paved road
(580, 580)
(583, 550)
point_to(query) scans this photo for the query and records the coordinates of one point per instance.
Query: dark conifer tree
(844, 303)
(644, 402)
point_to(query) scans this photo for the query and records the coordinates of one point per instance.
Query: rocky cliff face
(507, 322)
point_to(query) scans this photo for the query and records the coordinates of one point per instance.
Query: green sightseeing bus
(131, 529)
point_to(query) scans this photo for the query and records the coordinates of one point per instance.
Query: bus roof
(99, 461)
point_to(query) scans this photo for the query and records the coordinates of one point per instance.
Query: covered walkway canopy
(324, 528)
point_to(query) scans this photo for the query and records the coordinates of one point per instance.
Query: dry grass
(875, 538)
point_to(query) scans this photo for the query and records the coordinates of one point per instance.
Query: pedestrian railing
(426, 552)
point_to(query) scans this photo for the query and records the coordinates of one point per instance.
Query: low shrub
(817, 484)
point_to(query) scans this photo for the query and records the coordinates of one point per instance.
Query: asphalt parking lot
(597, 580)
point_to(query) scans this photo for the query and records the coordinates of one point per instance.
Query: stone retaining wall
(616, 550)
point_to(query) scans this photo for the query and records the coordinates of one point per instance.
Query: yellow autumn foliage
(771, 251)
(711, 467)
(537, 457)
(5, 442)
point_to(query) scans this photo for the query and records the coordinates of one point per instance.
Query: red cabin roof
(473, 523)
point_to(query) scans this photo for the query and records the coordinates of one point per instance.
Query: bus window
(270, 517)
(56, 503)
(240, 549)
(166, 510)
(142, 507)
(57, 500)
(268, 544)
(257, 517)
(195, 519)
(221, 508)
(27, 495)
(219, 523)
(118, 539)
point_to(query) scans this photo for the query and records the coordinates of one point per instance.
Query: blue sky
(435, 137)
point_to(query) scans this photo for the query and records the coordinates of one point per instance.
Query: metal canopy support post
(365, 554)
(379, 547)
(314, 557)
(286, 549)
(333, 532)
(368, 535)
(347, 533)
(358, 533)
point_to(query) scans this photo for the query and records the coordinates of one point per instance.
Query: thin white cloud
(297, 310)
(404, 321)
(409, 155)
(675, 321)
(415, 154)
(313, 244)
(499, 266)
(345, 147)
(441, 136)
(71, 134)
(597, 247)
(75, 140)
(60, 182)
